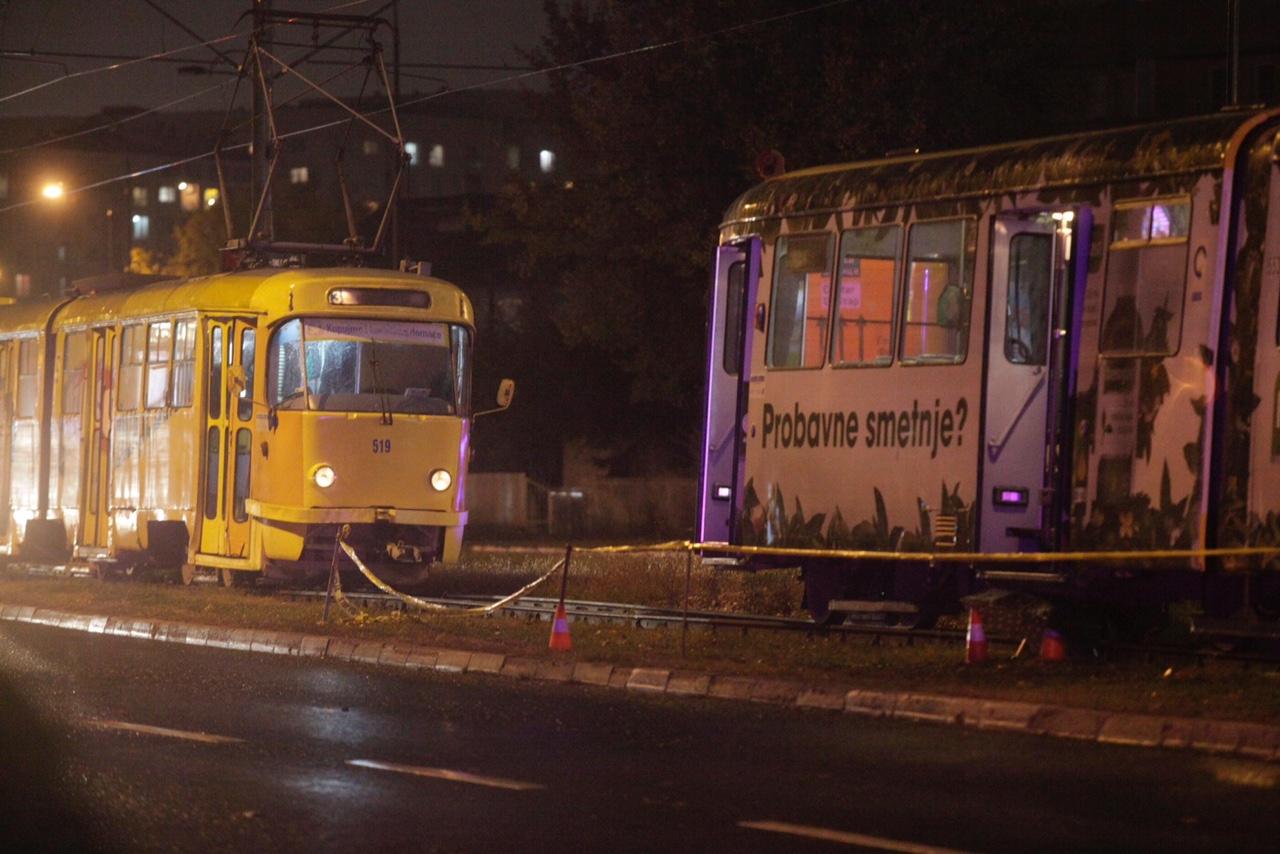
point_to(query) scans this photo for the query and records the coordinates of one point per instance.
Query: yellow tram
(235, 423)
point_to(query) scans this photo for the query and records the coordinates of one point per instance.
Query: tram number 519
(382, 446)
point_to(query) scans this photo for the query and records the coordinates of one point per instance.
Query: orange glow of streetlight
(53, 191)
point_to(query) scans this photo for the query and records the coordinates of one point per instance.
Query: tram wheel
(822, 584)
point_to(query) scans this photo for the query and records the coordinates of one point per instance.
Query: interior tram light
(441, 480)
(324, 476)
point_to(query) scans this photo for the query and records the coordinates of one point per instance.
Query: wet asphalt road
(604, 770)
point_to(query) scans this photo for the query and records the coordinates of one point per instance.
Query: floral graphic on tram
(769, 523)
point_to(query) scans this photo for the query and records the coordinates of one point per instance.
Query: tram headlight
(441, 480)
(323, 476)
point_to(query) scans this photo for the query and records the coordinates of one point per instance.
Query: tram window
(1026, 328)
(284, 367)
(1146, 277)
(732, 357)
(865, 296)
(934, 326)
(28, 377)
(159, 343)
(215, 372)
(133, 353)
(184, 363)
(212, 471)
(800, 299)
(75, 358)
(240, 490)
(244, 402)
(461, 339)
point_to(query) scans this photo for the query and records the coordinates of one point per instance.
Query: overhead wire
(117, 122)
(159, 55)
(433, 96)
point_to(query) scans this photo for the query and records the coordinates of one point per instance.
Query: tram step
(861, 606)
(1234, 628)
(730, 562)
(1021, 576)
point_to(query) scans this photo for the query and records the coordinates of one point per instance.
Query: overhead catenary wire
(159, 55)
(515, 78)
(122, 120)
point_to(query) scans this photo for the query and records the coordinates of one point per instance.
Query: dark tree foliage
(659, 142)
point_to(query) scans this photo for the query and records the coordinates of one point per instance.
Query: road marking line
(446, 774)
(144, 729)
(877, 842)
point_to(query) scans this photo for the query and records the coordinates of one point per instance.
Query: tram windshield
(357, 365)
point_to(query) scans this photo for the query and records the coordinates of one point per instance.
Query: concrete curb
(1247, 740)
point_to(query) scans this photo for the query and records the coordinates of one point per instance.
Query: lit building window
(139, 195)
(411, 149)
(369, 146)
(211, 197)
(546, 160)
(513, 157)
(190, 196)
(22, 285)
(62, 253)
(166, 195)
(436, 157)
(299, 175)
(141, 226)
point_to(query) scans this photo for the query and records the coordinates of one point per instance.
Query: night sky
(492, 32)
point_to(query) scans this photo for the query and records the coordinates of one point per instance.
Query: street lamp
(53, 191)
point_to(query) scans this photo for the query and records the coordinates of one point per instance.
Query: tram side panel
(1264, 488)
(869, 441)
(67, 433)
(24, 490)
(8, 542)
(1143, 377)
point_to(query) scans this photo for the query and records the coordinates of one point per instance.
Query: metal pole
(564, 577)
(395, 99)
(684, 620)
(333, 578)
(1233, 53)
(260, 178)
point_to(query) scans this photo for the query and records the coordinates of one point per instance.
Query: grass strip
(1211, 689)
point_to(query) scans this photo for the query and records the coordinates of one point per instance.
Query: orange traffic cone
(560, 632)
(975, 642)
(1052, 647)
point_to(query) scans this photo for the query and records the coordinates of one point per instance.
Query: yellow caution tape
(940, 557)
(434, 606)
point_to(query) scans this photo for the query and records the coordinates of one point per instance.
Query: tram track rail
(650, 617)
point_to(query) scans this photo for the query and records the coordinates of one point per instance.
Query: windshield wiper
(377, 383)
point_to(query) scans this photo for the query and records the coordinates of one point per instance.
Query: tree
(659, 142)
(198, 239)
(144, 261)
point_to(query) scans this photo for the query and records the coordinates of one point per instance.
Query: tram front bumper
(285, 529)
(353, 515)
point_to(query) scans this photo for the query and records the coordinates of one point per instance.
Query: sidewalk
(1245, 740)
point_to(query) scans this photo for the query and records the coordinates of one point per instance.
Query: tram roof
(258, 291)
(1141, 152)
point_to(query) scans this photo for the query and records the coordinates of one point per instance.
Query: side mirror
(506, 391)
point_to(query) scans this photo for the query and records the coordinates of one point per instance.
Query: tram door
(1029, 358)
(729, 338)
(227, 445)
(6, 431)
(95, 529)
